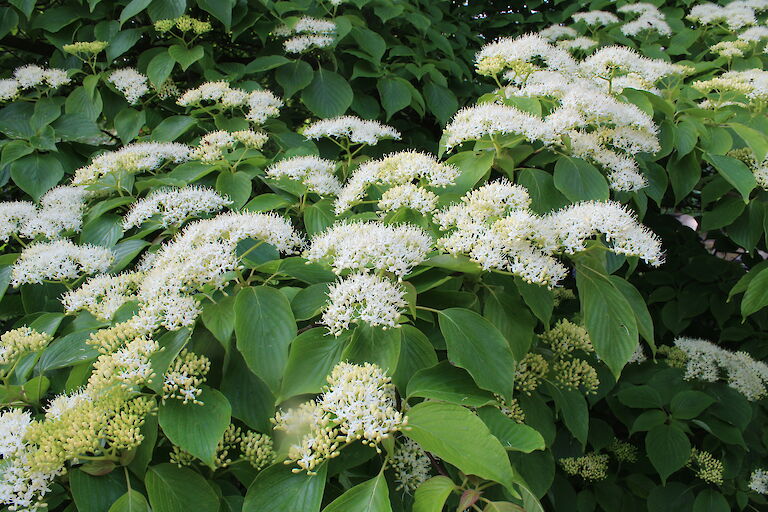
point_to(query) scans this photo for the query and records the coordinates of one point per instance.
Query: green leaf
(460, 438)
(754, 138)
(395, 94)
(266, 63)
(37, 173)
(219, 318)
(197, 428)
(131, 501)
(160, 67)
(472, 166)
(96, 493)
(541, 186)
(128, 124)
(294, 76)
(573, 410)
(709, 500)
(312, 357)
(432, 494)
(171, 128)
(67, 351)
(608, 316)
(318, 217)
(219, 9)
(647, 420)
(265, 327)
(668, 449)
(369, 496)
(416, 353)
(14, 150)
(735, 172)
(441, 101)
(579, 180)
(477, 346)
(640, 397)
(133, 8)
(374, 345)
(104, 230)
(449, 384)
(686, 405)
(513, 436)
(638, 305)
(174, 489)
(509, 314)
(186, 56)
(328, 95)
(684, 173)
(756, 296)
(278, 489)
(370, 42)
(252, 401)
(236, 186)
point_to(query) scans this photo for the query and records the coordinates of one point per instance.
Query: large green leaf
(756, 296)
(279, 489)
(131, 501)
(736, 173)
(431, 495)
(457, 436)
(369, 496)
(37, 173)
(264, 327)
(374, 345)
(513, 436)
(197, 428)
(668, 448)
(477, 346)
(312, 357)
(294, 76)
(395, 94)
(96, 493)
(609, 318)
(449, 384)
(328, 95)
(174, 489)
(579, 180)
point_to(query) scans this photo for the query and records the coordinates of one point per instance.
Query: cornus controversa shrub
(383, 256)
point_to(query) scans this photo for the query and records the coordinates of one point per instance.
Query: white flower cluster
(591, 124)
(307, 34)
(316, 174)
(410, 196)
(523, 55)
(213, 144)
(29, 76)
(577, 44)
(398, 169)
(730, 49)
(60, 210)
(371, 245)
(20, 487)
(650, 19)
(751, 83)
(706, 361)
(59, 260)
(131, 159)
(103, 295)
(175, 206)
(367, 298)
(351, 128)
(411, 465)
(357, 404)
(202, 255)
(596, 18)
(758, 481)
(364, 247)
(493, 226)
(624, 67)
(262, 104)
(754, 34)
(131, 83)
(557, 32)
(736, 15)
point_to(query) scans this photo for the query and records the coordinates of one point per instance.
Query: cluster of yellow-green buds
(675, 357)
(18, 342)
(85, 47)
(706, 466)
(185, 376)
(253, 447)
(511, 408)
(183, 24)
(591, 466)
(623, 451)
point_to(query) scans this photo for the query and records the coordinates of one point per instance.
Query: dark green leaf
(278, 489)
(668, 449)
(175, 489)
(369, 496)
(328, 95)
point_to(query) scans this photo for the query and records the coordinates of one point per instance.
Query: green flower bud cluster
(676, 358)
(706, 466)
(123, 431)
(574, 374)
(623, 451)
(185, 376)
(257, 449)
(167, 89)
(560, 295)
(17, 342)
(591, 466)
(110, 339)
(531, 372)
(253, 447)
(85, 47)
(511, 409)
(183, 24)
(566, 337)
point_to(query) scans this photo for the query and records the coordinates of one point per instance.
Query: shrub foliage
(383, 255)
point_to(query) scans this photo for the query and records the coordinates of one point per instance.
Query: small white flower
(131, 83)
(366, 298)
